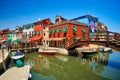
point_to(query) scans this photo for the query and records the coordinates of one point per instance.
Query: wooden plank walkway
(16, 73)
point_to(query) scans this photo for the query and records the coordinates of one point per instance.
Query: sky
(20, 12)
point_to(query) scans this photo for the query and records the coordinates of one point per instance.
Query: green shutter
(83, 29)
(65, 28)
(58, 29)
(50, 31)
(34, 33)
(54, 30)
(17, 40)
(74, 29)
(39, 32)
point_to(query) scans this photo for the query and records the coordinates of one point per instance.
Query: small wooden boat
(89, 51)
(49, 52)
(18, 58)
(15, 56)
(106, 50)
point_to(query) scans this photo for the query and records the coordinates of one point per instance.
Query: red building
(38, 31)
(63, 30)
(3, 34)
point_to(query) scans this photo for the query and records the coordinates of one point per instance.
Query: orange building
(3, 34)
(38, 31)
(64, 30)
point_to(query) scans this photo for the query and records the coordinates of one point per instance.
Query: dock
(16, 73)
(6, 54)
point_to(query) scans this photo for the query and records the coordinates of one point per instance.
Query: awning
(83, 29)
(74, 29)
(65, 28)
(54, 30)
(58, 29)
(35, 38)
(30, 40)
(39, 32)
(50, 31)
(34, 33)
(55, 39)
(17, 40)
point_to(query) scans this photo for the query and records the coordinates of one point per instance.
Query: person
(3, 45)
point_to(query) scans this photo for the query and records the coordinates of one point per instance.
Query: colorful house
(28, 30)
(38, 34)
(64, 30)
(3, 34)
(17, 33)
(9, 35)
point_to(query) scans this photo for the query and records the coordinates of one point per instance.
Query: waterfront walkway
(16, 73)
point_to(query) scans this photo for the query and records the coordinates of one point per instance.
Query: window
(34, 33)
(39, 32)
(44, 34)
(83, 30)
(54, 30)
(65, 28)
(50, 31)
(74, 28)
(57, 20)
(59, 29)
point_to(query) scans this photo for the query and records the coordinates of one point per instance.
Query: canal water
(100, 66)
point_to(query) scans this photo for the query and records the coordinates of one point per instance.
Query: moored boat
(49, 52)
(17, 57)
(89, 51)
(106, 50)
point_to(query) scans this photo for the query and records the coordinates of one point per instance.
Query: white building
(28, 30)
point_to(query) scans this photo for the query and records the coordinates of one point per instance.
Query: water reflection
(106, 65)
(100, 66)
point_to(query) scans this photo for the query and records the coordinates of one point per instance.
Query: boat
(49, 52)
(106, 50)
(17, 57)
(89, 51)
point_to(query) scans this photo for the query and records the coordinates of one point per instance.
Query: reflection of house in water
(97, 63)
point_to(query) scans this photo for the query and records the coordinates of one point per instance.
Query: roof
(41, 20)
(69, 21)
(85, 16)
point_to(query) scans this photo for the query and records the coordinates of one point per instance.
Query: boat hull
(48, 52)
(86, 53)
(15, 58)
